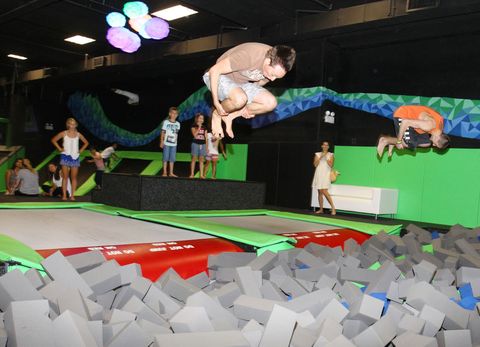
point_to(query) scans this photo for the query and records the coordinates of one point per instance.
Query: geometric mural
(461, 116)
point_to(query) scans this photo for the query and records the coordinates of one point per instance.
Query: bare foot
(172, 175)
(228, 120)
(72, 198)
(319, 212)
(390, 150)
(382, 143)
(202, 177)
(164, 175)
(334, 212)
(64, 198)
(191, 176)
(217, 129)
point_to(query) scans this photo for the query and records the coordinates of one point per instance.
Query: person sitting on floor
(27, 180)
(54, 189)
(11, 177)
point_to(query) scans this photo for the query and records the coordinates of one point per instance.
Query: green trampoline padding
(153, 168)
(367, 228)
(11, 249)
(46, 205)
(243, 235)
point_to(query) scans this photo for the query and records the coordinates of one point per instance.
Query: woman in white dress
(323, 162)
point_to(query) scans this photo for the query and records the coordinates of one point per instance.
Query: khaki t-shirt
(246, 61)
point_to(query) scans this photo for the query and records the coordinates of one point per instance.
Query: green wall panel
(433, 187)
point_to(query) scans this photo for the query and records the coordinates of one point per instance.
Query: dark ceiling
(37, 28)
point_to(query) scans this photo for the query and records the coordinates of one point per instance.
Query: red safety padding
(188, 257)
(331, 238)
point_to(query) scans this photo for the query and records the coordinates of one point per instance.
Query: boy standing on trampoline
(168, 141)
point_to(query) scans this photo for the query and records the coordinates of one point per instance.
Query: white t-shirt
(171, 132)
(212, 146)
(107, 152)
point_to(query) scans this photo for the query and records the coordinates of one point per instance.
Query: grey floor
(271, 225)
(55, 228)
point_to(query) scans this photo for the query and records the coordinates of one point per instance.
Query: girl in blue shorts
(70, 155)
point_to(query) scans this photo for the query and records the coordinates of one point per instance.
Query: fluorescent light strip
(79, 39)
(15, 56)
(174, 12)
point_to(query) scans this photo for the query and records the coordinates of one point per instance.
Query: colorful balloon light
(157, 28)
(134, 9)
(116, 19)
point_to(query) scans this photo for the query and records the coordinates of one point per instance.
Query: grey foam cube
(404, 286)
(164, 277)
(469, 260)
(411, 323)
(465, 247)
(351, 247)
(279, 328)
(230, 259)
(409, 339)
(129, 272)
(227, 294)
(422, 235)
(35, 278)
(474, 327)
(103, 278)
(271, 291)
(368, 309)
(303, 337)
(308, 259)
(334, 310)
(393, 293)
(225, 274)
(265, 262)
(423, 293)
(86, 261)
(330, 329)
(179, 289)
(363, 276)
(253, 332)
(454, 338)
(71, 300)
(3, 337)
(199, 280)
(151, 328)
(160, 302)
(138, 307)
(313, 302)
(27, 324)
(451, 263)
(247, 307)
(139, 288)
(379, 334)
(424, 271)
(350, 292)
(353, 327)
(130, 335)
(433, 320)
(450, 291)
(387, 273)
(96, 329)
(72, 330)
(60, 269)
(413, 246)
(397, 311)
(247, 281)
(326, 282)
(110, 330)
(95, 310)
(106, 299)
(339, 341)
(220, 317)
(14, 286)
(291, 287)
(232, 338)
(444, 275)
(191, 319)
(119, 316)
(466, 275)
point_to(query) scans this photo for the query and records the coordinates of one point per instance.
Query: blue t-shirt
(171, 132)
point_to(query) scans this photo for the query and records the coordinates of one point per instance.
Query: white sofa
(360, 199)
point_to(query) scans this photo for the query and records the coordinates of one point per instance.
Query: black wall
(427, 60)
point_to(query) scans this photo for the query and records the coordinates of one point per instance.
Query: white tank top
(70, 146)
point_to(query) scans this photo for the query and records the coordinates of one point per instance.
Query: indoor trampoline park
(239, 174)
